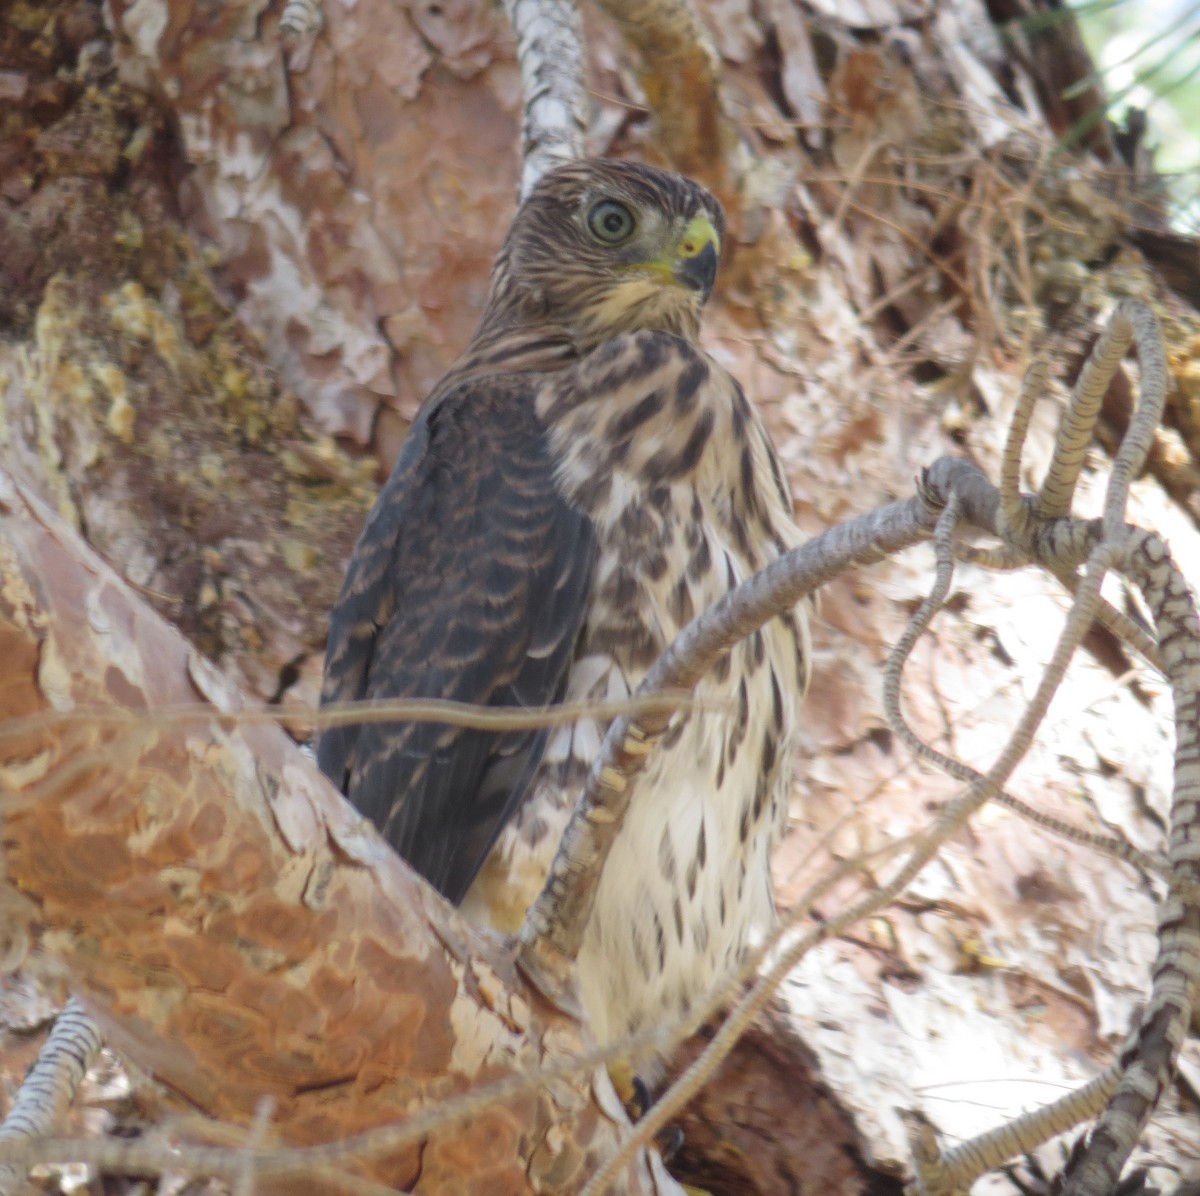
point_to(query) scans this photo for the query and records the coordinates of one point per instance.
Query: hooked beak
(697, 256)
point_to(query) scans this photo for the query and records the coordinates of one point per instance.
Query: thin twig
(1079, 419)
(342, 714)
(263, 1113)
(229, 1162)
(959, 1167)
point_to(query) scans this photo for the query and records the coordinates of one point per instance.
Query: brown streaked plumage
(580, 484)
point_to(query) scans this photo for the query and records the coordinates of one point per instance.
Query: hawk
(581, 484)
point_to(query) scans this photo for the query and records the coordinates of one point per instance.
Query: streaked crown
(605, 247)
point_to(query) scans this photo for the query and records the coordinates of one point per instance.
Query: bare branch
(550, 51)
(1139, 439)
(329, 1160)
(1079, 420)
(50, 1087)
(940, 1174)
(1014, 513)
(341, 714)
(554, 926)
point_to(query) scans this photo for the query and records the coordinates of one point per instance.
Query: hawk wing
(469, 582)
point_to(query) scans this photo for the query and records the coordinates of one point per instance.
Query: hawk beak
(697, 256)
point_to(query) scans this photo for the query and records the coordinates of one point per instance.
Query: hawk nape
(582, 483)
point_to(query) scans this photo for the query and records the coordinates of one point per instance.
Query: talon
(642, 1100)
(631, 1088)
(670, 1142)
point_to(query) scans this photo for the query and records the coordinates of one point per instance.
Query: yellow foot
(635, 1096)
(669, 1141)
(631, 1088)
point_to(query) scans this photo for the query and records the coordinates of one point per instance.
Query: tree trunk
(226, 283)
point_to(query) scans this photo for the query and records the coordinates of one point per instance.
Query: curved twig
(1139, 439)
(1134, 1085)
(893, 674)
(1148, 1063)
(1079, 419)
(1015, 514)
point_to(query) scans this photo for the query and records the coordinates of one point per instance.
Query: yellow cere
(698, 234)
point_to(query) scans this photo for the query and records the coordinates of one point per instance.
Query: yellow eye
(611, 222)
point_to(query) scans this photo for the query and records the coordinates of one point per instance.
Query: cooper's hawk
(581, 483)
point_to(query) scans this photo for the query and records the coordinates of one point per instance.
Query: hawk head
(604, 247)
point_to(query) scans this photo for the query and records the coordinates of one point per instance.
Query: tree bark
(223, 282)
(234, 927)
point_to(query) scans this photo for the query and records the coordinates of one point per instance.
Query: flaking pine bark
(227, 284)
(236, 932)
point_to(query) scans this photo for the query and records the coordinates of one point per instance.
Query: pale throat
(639, 304)
(513, 337)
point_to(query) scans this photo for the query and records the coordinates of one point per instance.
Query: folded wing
(470, 582)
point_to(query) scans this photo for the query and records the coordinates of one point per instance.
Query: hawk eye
(611, 222)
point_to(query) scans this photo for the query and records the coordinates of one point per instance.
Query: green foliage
(1148, 57)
